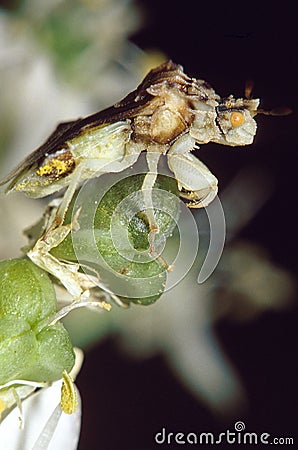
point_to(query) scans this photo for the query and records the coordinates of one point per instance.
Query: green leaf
(123, 266)
(29, 349)
(25, 291)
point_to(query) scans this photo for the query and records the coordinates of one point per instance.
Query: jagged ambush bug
(168, 114)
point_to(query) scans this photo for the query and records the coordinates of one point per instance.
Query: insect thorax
(166, 117)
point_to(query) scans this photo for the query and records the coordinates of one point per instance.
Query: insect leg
(182, 145)
(195, 181)
(67, 273)
(147, 186)
(148, 183)
(58, 218)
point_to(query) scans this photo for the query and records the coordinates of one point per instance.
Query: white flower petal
(46, 427)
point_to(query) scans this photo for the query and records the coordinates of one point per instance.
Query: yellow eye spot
(237, 118)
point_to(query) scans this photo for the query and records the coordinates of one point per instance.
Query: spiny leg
(195, 181)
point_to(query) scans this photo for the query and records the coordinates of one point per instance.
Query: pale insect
(168, 114)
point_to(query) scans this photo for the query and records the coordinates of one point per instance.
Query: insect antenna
(249, 84)
(279, 111)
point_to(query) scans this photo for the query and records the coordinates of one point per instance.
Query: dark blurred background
(228, 44)
(225, 43)
(126, 401)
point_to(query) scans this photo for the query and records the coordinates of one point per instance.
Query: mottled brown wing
(39, 153)
(135, 102)
(129, 107)
(68, 130)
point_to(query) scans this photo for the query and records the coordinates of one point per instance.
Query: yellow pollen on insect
(55, 166)
(106, 306)
(237, 119)
(25, 184)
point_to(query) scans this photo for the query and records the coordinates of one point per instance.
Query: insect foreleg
(182, 145)
(195, 181)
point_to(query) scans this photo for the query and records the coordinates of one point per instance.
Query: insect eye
(237, 118)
